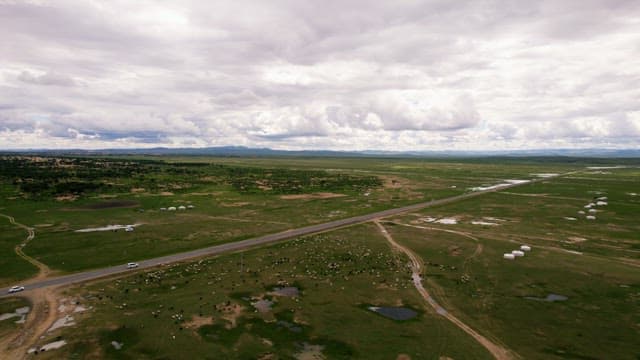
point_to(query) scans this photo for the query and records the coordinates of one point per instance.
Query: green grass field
(204, 309)
(338, 275)
(221, 212)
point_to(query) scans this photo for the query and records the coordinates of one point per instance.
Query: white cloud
(411, 75)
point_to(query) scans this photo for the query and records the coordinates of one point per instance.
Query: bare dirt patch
(66, 197)
(454, 250)
(321, 195)
(198, 321)
(166, 193)
(575, 239)
(230, 312)
(137, 190)
(403, 357)
(235, 204)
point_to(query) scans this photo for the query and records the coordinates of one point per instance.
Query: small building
(525, 248)
(182, 207)
(171, 208)
(163, 209)
(508, 256)
(190, 206)
(602, 203)
(128, 229)
(591, 217)
(517, 253)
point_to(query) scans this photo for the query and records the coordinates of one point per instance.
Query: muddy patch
(109, 204)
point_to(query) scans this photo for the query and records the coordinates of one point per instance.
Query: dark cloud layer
(332, 74)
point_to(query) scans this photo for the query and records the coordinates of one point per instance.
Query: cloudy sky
(343, 75)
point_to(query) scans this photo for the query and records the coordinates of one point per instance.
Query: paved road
(261, 240)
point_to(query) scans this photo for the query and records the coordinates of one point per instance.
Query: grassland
(207, 306)
(595, 263)
(222, 212)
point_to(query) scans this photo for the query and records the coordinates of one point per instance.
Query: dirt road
(43, 270)
(496, 350)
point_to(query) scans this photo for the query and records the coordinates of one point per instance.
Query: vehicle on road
(132, 265)
(15, 289)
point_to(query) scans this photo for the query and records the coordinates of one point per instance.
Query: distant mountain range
(242, 151)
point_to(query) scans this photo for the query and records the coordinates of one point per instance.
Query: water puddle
(62, 322)
(485, 223)
(291, 327)
(395, 313)
(288, 291)
(50, 346)
(549, 298)
(19, 312)
(109, 228)
(263, 305)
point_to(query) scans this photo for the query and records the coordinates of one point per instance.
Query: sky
(339, 75)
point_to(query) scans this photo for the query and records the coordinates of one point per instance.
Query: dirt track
(496, 350)
(42, 315)
(43, 305)
(44, 270)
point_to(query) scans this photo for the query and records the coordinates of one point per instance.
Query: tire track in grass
(496, 350)
(43, 270)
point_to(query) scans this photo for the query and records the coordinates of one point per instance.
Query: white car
(15, 289)
(132, 265)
